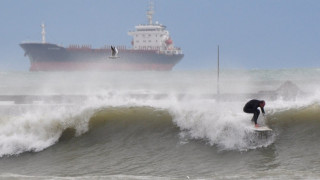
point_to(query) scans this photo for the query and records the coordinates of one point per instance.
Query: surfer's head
(262, 103)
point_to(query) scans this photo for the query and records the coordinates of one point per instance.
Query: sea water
(159, 125)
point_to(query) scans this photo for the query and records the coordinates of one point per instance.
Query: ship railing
(151, 25)
(173, 51)
(77, 46)
(148, 48)
(122, 47)
(155, 29)
(145, 48)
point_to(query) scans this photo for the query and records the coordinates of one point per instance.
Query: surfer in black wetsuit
(252, 107)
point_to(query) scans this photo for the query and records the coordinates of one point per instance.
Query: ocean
(159, 125)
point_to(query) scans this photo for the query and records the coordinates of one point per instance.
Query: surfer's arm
(262, 109)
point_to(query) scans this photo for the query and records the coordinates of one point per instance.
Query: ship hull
(51, 57)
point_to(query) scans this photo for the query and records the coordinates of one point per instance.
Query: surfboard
(114, 57)
(262, 129)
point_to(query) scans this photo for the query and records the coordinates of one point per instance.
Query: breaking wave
(222, 125)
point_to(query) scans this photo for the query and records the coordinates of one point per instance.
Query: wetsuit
(252, 107)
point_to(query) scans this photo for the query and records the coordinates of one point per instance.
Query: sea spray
(219, 124)
(37, 127)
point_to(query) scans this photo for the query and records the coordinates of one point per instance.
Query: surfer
(252, 107)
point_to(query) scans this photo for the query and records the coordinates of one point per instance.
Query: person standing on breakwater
(252, 107)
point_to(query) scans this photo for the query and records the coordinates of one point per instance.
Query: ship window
(149, 34)
(149, 40)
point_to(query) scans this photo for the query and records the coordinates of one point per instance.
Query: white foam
(37, 127)
(222, 124)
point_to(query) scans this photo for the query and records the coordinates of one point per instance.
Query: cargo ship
(152, 49)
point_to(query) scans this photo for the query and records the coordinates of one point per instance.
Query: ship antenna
(150, 12)
(43, 33)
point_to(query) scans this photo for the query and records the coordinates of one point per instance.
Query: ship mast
(150, 13)
(218, 74)
(43, 33)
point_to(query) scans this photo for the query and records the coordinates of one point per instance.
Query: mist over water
(158, 124)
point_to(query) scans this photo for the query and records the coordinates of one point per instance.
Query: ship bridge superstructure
(153, 36)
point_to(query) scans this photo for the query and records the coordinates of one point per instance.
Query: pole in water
(218, 71)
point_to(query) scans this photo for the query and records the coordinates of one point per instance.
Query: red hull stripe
(83, 66)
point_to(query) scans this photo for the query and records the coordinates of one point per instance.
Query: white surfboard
(262, 129)
(114, 57)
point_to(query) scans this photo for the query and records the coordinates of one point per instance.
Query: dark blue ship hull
(51, 57)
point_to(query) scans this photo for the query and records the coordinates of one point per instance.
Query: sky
(251, 34)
